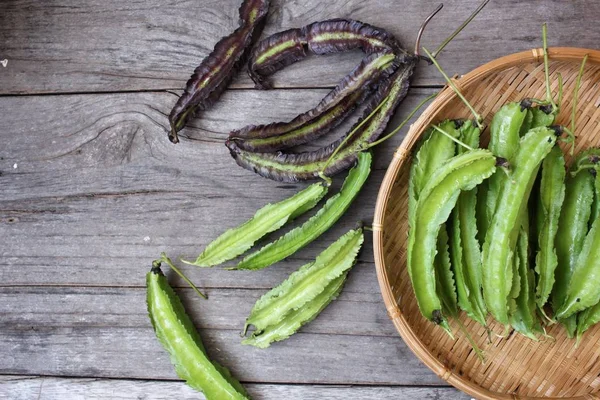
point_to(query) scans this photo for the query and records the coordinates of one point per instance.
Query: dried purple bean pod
(329, 113)
(325, 37)
(293, 167)
(216, 70)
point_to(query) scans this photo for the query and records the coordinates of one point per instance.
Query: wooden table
(91, 191)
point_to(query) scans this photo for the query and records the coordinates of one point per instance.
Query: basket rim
(401, 155)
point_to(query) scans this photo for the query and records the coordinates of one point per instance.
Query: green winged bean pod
(435, 150)
(523, 316)
(584, 286)
(526, 125)
(299, 317)
(436, 201)
(552, 195)
(445, 285)
(586, 319)
(299, 237)
(504, 143)
(271, 217)
(501, 237)
(305, 284)
(543, 116)
(572, 229)
(596, 202)
(465, 251)
(177, 334)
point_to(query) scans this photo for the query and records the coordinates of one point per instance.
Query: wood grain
(106, 333)
(51, 388)
(98, 190)
(111, 45)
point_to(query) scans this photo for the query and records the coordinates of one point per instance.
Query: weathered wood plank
(353, 313)
(92, 190)
(111, 351)
(51, 388)
(110, 45)
(105, 332)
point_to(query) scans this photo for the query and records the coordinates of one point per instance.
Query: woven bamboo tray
(515, 367)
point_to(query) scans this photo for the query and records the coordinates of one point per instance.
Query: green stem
(167, 260)
(422, 28)
(459, 29)
(478, 118)
(452, 138)
(546, 66)
(399, 127)
(576, 93)
(570, 139)
(474, 346)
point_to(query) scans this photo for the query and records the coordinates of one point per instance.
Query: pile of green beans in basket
(508, 230)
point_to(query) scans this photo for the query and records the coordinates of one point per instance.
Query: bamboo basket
(515, 367)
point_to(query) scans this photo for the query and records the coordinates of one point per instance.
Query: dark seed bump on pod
(558, 130)
(502, 162)
(214, 73)
(593, 172)
(156, 268)
(458, 123)
(594, 158)
(526, 104)
(437, 317)
(547, 109)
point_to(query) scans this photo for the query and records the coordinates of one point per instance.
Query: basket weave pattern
(515, 367)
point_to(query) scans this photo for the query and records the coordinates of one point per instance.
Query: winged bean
(586, 319)
(464, 246)
(332, 110)
(299, 317)
(523, 316)
(572, 228)
(584, 286)
(504, 142)
(444, 283)
(436, 201)
(501, 237)
(307, 283)
(324, 37)
(271, 217)
(596, 202)
(434, 151)
(292, 167)
(214, 73)
(552, 195)
(299, 237)
(177, 334)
